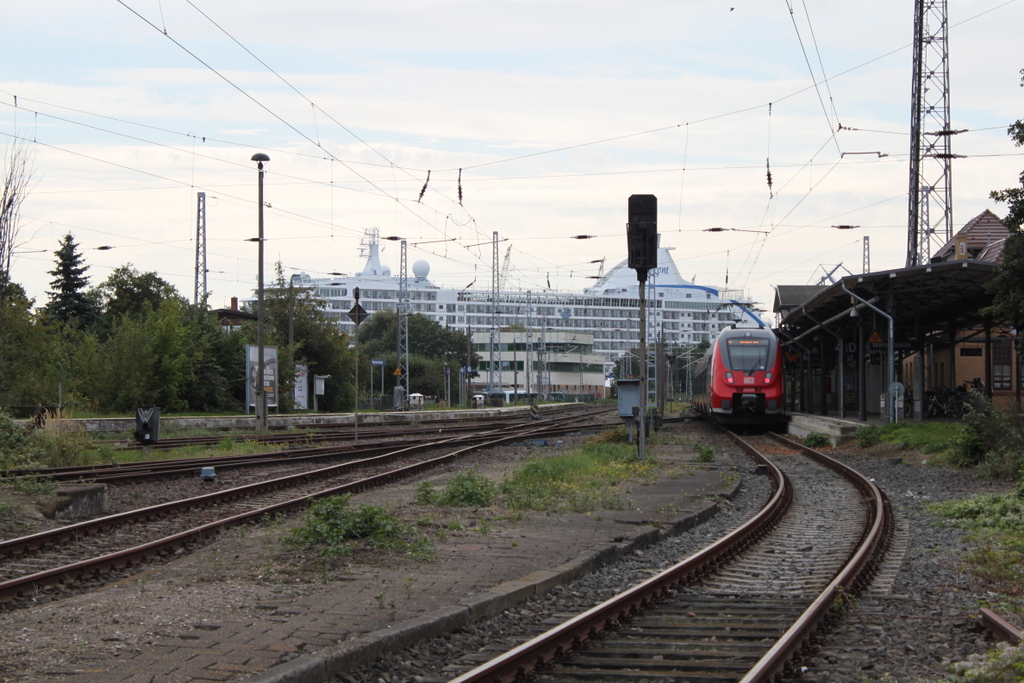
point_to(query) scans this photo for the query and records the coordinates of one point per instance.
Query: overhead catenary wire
(264, 107)
(814, 78)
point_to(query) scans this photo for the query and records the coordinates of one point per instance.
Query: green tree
(128, 293)
(1008, 295)
(1014, 196)
(116, 374)
(295, 322)
(28, 373)
(69, 302)
(218, 363)
(431, 345)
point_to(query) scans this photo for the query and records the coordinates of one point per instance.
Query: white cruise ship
(681, 313)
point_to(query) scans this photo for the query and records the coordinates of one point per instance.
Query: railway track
(321, 433)
(80, 552)
(741, 609)
(150, 469)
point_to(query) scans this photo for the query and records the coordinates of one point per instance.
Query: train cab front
(749, 381)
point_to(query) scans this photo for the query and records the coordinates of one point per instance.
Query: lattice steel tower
(402, 309)
(201, 270)
(494, 370)
(930, 198)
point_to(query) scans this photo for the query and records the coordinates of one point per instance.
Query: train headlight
(767, 377)
(728, 377)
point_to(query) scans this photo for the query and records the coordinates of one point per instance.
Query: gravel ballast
(927, 619)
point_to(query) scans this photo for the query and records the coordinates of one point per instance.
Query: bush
(468, 489)
(868, 436)
(705, 453)
(426, 494)
(992, 439)
(18, 448)
(332, 525)
(817, 440)
(968, 447)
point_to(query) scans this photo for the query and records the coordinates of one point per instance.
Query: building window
(1002, 365)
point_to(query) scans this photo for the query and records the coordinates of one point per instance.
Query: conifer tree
(69, 303)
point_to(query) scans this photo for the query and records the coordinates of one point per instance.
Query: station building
(929, 323)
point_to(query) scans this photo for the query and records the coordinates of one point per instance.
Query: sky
(555, 112)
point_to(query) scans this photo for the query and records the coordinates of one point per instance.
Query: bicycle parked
(944, 402)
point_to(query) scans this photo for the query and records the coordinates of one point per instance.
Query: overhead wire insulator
(425, 183)
(460, 187)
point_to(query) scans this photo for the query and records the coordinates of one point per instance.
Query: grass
(927, 437)
(996, 525)
(585, 480)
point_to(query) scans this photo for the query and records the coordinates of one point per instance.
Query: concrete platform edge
(320, 667)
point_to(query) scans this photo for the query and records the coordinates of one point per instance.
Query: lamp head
(260, 156)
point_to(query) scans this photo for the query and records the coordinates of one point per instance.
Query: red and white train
(739, 379)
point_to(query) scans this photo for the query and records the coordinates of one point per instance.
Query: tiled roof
(982, 231)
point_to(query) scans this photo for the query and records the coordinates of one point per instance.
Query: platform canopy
(924, 301)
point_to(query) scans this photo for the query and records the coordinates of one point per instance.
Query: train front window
(747, 355)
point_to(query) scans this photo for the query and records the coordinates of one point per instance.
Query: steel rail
(313, 433)
(22, 586)
(575, 633)
(170, 467)
(1000, 628)
(558, 643)
(856, 571)
(18, 546)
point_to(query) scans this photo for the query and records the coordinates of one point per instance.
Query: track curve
(740, 609)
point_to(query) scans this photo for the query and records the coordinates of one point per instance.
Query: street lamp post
(261, 394)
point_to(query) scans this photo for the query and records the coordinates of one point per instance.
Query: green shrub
(332, 525)
(868, 436)
(426, 494)
(817, 440)
(705, 453)
(968, 446)
(63, 443)
(468, 489)
(992, 439)
(18, 449)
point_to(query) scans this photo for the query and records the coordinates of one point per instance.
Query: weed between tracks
(996, 525)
